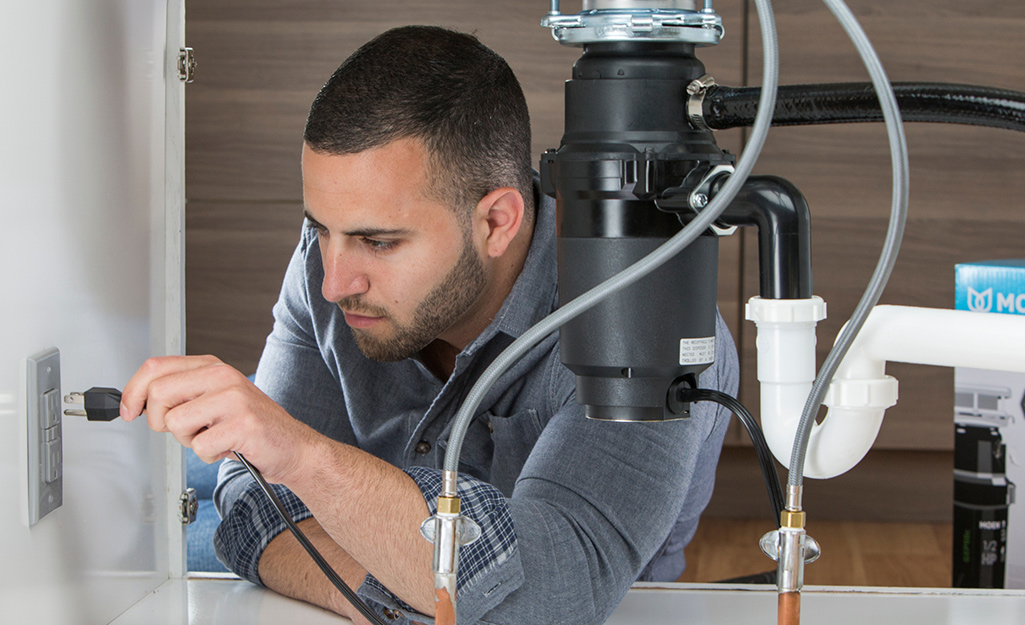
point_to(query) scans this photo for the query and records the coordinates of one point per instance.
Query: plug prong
(76, 399)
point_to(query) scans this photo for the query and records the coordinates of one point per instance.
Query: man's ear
(502, 213)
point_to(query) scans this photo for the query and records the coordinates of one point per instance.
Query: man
(427, 250)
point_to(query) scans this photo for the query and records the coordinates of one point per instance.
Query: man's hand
(214, 409)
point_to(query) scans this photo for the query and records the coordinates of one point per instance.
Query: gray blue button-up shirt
(572, 510)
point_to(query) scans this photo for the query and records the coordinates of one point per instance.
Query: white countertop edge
(871, 590)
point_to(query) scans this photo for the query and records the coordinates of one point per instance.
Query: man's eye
(378, 246)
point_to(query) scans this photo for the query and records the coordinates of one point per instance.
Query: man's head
(446, 89)
(416, 174)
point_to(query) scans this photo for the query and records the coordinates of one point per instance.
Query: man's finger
(187, 386)
(135, 394)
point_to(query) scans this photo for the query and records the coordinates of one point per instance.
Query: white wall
(82, 268)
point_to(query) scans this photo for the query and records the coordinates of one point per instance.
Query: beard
(443, 306)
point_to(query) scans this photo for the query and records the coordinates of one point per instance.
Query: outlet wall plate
(45, 446)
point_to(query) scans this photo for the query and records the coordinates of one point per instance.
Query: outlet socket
(45, 447)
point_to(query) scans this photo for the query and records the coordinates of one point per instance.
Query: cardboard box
(989, 442)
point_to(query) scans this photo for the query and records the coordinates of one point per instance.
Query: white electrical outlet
(45, 449)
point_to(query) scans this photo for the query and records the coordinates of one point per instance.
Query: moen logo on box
(1005, 302)
(993, 286)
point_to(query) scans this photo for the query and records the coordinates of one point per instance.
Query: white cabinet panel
(84, 242)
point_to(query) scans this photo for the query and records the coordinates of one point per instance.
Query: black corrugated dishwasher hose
(831, 103)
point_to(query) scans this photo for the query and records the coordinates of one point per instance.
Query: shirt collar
(533, 295)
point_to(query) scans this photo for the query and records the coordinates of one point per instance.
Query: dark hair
(446, 89)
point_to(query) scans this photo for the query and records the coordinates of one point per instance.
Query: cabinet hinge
(187, 506)
(186, 65)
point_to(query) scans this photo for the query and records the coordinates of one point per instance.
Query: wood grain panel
(244, 146)
(262, 63)
(922, 40)
(269, 74)
(236, 255)
(512, 28)
(889, 485)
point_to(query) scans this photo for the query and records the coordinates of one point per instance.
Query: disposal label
(699, 351)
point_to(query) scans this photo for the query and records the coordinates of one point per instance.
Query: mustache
(359, 307)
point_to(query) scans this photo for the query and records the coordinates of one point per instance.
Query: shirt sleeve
(489, 568)
(250, 521)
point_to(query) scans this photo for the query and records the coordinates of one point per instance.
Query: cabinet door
(91, 201)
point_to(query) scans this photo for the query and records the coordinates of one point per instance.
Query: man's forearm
(285, 567)
(373, 511)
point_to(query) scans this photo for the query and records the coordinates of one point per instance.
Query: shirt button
(392, 614)
(423, 447)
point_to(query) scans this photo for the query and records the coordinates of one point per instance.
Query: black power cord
(765, 459)
(308, 546)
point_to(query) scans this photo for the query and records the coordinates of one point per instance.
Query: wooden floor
(853, 553)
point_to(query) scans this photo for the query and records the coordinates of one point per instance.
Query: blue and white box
(989, 442)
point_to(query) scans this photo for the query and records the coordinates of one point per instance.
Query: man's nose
(342, 278)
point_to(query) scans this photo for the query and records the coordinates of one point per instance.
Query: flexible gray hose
(888, 256)
(638, 270)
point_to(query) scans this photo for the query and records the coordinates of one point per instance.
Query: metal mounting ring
(770, 547)
(469, 531)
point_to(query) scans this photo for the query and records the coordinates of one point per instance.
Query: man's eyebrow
(362, 232)
(372, 233)
(313, 221)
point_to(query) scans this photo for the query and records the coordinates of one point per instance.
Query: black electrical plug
(101, 404)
